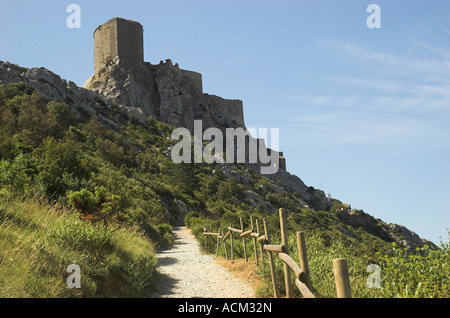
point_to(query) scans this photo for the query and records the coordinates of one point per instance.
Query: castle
(164, 91)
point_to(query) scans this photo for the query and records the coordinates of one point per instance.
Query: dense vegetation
(100, 186)
(75, 190)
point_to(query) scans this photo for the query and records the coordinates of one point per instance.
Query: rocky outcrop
(129, 87)
(314, 197)
(166, 92)
(387, 231)
(406, 237)
(52, 87)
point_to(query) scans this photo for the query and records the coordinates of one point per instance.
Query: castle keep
(118, 37)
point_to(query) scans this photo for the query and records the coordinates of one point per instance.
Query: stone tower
(118, 37)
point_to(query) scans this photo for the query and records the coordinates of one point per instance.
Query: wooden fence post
(260, 245)
(271, 263)
(284, 241)
(254, 241)
(225, 248)
(303, 257)
(218, 242)
(232, 249)
(243, 240)
(342, 279)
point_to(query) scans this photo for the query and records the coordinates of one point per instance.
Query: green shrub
(189, 218)
(98, 206)
(166, 233)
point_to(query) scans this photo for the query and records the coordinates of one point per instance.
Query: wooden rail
(301, 271)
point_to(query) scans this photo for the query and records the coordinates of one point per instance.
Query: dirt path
(185, 273)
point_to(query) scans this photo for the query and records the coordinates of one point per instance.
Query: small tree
(62, 114)
(100, 206)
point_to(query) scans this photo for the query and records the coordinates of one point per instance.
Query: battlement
(118, 37)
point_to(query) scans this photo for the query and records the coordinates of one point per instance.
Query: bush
(98, 206)
(189, 218)
(230, 218)
(165, 231)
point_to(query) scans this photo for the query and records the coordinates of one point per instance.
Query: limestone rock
(408, 238)
(166, 92)
(53, 87)
(255, 199)
(387, 231)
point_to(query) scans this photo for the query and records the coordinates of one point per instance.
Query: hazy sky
(363, 112)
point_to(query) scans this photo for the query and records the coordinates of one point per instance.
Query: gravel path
(184, 272)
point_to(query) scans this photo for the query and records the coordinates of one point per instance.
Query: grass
(39, 240)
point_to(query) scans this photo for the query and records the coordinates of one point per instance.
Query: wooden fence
(262, 242)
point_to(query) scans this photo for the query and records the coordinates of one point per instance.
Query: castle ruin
(124, 39)
(164, 91)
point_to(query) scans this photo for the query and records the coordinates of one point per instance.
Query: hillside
(79, 150)
(119, 143)
(40, 240)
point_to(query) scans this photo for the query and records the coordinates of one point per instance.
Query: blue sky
(363, 113)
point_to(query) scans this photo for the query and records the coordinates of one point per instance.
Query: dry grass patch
(247, 271)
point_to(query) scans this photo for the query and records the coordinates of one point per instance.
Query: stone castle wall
(227, 112)
(195, 77)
